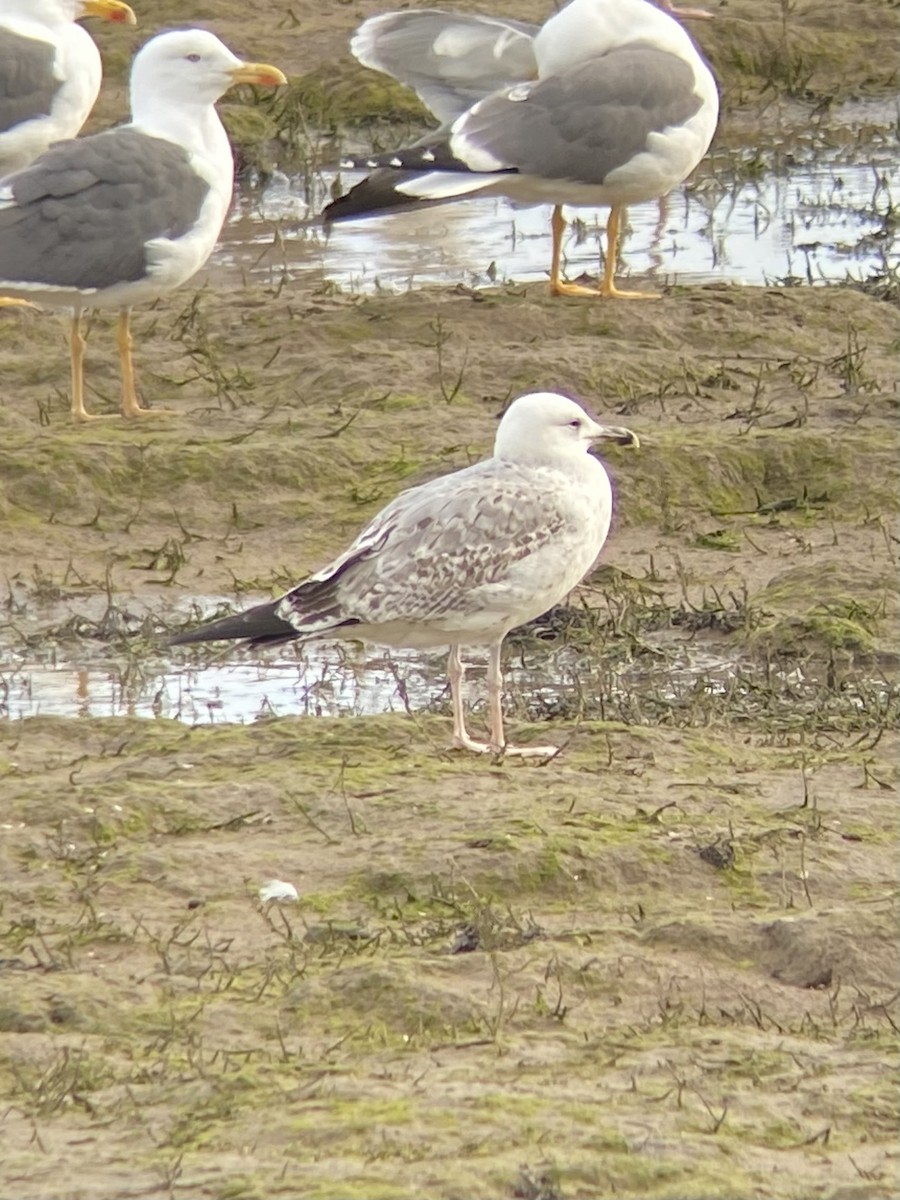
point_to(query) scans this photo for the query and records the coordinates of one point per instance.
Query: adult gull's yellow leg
(131, 406)
(608, 282)
(558, 286)
(607, 288)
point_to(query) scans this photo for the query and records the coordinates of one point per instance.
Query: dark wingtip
(374, 196)
(255, 625)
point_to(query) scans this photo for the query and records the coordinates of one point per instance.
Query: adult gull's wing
(451, 60)
(582, 124)
(27, 80)
(578, 126)
(83, 215)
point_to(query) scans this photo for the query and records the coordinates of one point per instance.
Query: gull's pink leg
(456, 671)
(495, 698)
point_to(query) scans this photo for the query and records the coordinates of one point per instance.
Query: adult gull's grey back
(608, 103)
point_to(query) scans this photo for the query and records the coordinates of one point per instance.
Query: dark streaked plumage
(464, 558)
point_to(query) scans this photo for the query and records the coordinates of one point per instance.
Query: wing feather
(451, 60)
(437, 550)
(81, 215)
(28, 84)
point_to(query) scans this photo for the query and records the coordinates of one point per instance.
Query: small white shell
(277, 889)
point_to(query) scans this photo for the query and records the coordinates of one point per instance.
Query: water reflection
(326, 680)
(334, 679)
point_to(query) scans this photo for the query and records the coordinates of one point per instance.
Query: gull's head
(191, 66)
(59, 12)
(546, 425)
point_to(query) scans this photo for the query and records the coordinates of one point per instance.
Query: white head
(583, 29)
(58, 12)
(191, 68)
(48, 12)
(543, 426)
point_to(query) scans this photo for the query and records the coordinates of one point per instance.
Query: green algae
(853, 611)
(245, 1029)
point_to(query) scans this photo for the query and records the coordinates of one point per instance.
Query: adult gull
(453, 59)
(608, 103)
(50, 73)
(121, 217)
(462, 559)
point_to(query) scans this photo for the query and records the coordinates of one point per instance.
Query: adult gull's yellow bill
(462, 559)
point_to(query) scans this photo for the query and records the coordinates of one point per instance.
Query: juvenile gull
(50, 73)
(123, 216)
(462, 559)
(616, 106)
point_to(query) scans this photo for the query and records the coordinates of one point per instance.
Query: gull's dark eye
(192, 57)
(576, 424)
